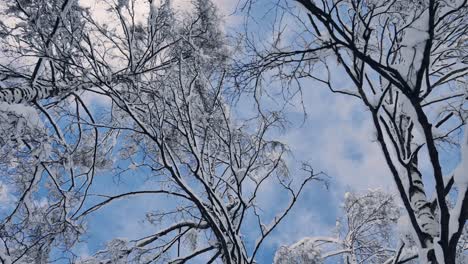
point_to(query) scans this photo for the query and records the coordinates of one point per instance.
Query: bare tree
(370, 230)
(161, 75)
(407, 62)
(364, 234)
(47, 165)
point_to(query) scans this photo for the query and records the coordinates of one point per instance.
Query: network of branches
(140, 91)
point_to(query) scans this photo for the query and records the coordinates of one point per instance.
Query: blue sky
(335, 138)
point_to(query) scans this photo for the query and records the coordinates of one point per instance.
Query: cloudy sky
(336, 137)
(331, 132)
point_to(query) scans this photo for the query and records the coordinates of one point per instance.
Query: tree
(162, 76)
(364, 234)
(407, 62)
(44, 186)
(371, 230)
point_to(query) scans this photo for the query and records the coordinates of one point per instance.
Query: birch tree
(407, 63)
(47, 165)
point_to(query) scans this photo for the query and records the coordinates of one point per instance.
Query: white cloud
(95, 99)
(339, 138)
(3, 193)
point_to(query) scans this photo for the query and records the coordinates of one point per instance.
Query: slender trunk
(419, 203)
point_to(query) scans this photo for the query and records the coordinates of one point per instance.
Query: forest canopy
(208, 130)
